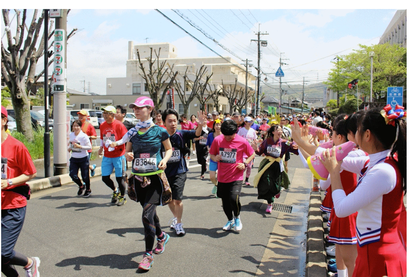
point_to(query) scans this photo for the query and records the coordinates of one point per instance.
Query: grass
(35, 147)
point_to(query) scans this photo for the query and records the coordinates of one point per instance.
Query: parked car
(11, 124)
(131, 118)
(37, 119)
(92, 116)
(100, 117)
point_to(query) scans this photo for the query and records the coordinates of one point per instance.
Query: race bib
(274, 151)
(144, 163)
(203, 140)
(73, 148)
(3, 168)
(228, 155)
(176, 156)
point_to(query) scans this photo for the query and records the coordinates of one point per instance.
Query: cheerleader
(378, 196)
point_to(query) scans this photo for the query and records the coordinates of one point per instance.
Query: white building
(122, 90)
(396, 31)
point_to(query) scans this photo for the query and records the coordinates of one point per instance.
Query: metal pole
(259, 74)
(371, 76)
(46, 102)
(357, 95)
(60, 98)
(303, 93)
(246, 88)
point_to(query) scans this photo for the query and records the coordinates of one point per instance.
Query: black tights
(120, 180)
(8, 268)
(152, 227)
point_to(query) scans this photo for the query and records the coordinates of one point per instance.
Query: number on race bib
(145, 163)
(228, 155)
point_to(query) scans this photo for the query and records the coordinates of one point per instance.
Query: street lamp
(371, 75)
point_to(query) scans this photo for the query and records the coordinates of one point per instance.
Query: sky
(306, 39)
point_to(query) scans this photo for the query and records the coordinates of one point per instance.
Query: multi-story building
(396, 31)
(123, 90)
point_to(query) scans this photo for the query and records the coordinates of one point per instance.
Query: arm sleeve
(380, 180)
(302, 158)
(324, 185)
(261, 149)
(354, 163)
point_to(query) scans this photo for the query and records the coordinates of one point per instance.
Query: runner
(148, 186)
(186, 125)
(112, 130)
(194, 126)
(202, 150)
(249, 134)
(271, 169)
(120, 116)
(79, 143)
(17, 169)
(213, 166)
(228, 151)
(158, 119)
(89, 130)
(176, 167)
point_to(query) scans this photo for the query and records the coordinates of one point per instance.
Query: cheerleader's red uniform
(378, 198)
(343, 230)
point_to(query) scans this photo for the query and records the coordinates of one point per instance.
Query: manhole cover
(282, 208)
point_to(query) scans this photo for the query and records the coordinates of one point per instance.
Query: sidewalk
(284, 245)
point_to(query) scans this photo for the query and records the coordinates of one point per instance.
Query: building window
(136, 88)
(84, 106)
(146, 87)
(180, 109)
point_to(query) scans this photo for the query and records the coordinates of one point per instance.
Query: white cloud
(322, 18)
(187, 47)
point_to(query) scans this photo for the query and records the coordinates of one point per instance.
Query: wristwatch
(9, 182)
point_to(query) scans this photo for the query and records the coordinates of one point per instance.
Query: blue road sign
(279, 73)
(395, 96)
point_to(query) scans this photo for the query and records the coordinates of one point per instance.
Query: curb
(55, 181)
(315, 249)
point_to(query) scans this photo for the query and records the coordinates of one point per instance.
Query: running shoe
(332, 267)
(214, 190)
(179, 230)
(247, 183)
(331, 251)
(238, 224)
(332, 261)
(193, 152)
(146, 262)
(33, 270)
(161, 244)
(332, 274)
(269, 209)
(80, 190)
(121, 201)
(202, 177)
(173, 223)
(114, 197)
(229, 225)
(87, 193)
(93, 170)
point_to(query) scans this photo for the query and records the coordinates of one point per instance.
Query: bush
(36, 147)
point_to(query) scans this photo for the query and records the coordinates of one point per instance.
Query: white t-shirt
(249, 135)
(81, 139)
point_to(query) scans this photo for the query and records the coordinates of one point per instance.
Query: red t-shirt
(89, 130)
(232, 153)
(163, 126)
(114, 131)
(18, 162)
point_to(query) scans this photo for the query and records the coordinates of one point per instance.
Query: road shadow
(84, 206)
(110, 260)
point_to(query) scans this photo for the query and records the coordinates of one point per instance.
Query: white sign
(55, 13)
(59, 74)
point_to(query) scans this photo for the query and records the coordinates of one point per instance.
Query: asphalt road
(77, 236)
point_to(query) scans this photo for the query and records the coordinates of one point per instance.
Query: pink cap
(4, 111)
(142, 101)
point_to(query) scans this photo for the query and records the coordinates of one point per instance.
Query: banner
(59, 74)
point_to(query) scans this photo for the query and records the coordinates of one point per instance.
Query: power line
(240, 19)
(200, 41)
(246, 18)
(253, 16)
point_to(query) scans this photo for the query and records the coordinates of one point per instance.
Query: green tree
(5, 96)
(389, 69)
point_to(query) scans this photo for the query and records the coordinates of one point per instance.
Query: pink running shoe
(146, 262)
(269, 209)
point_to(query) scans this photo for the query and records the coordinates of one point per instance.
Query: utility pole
(246, 84)
(371, 76)
(280, 83)
(46, 100)
(265, 43)
(59, 89)
(303, 93)
(338, 73)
